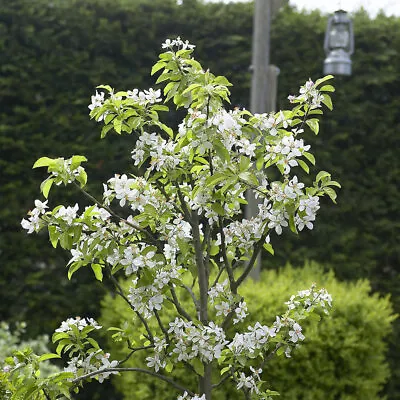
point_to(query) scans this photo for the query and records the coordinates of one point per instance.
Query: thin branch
(254, 187)
(167, 197)
(230, 315)
(305, 117)
(224, 379)
(185, 209)
(202, 274)
(225, 257)
(207, 243)
(114, 214)
(270, 355)
(221, 270)
(257, 248)
(133, 351)
(145, 371)
(162, 327)
(192, 295)
(120, 293)
(46, 395)
(178, 306)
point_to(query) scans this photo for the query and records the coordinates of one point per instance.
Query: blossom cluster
(147, 298)
(308, 94)
(249, 383)
(96, 361)
(186, 396)
(145, 97)
(162, 153)
(310, 298)
(225, 303)
(178, 42)
(287, 149)
(101, 107)
(33, 223)
(191, 341)
(79, 323)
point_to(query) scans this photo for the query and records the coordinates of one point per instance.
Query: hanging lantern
(339, 44)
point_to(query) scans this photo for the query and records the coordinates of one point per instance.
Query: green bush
(343, 357)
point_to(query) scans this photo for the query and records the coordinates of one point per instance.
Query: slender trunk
(205, 381)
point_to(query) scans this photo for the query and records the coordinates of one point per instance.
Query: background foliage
(55, 52)
(335, 361)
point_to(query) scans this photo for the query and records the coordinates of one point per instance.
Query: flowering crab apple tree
(176, 229)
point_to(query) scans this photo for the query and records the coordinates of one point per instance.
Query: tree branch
(257, 248)
(161, 325)
(120, 293)
(192, 295)
(145, 371)
(178, 306)
(225, 257)
(114, 214)
(224, 379)
(134, 350)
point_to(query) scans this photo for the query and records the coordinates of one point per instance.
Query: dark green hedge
(53, 53)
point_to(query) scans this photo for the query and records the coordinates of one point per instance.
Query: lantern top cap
(340, 16)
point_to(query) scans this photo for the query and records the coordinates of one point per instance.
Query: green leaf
(197, 168)
(269, 248)
(221, 151)
(156, 67)
(328, 101)
(309, 157)
(214, 250)
(169, 87)
(313, 316)
(167, 130)
(218, 208)
(98, 271)
(322, 80)
(53, 235)
(106, 87)
(313, 123)
(48, 356)
(109, 117)
(249, 178)
(191, 87)
(82, 178)
(45, 187)
(292, 225)
(327, 88)
(169, 367)
(221, 80)
(331, 193)
(225, 369)
(93, 343)
(260, 163)
(244, 163)
(213, 180)
(321, 175)
(280, 351)
(304, 166)
(160, 107)
(334, 183)
(43, 162)
(73, 268)
(117, 123)
(105, 130)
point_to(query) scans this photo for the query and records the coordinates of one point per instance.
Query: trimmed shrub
(343, 357)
